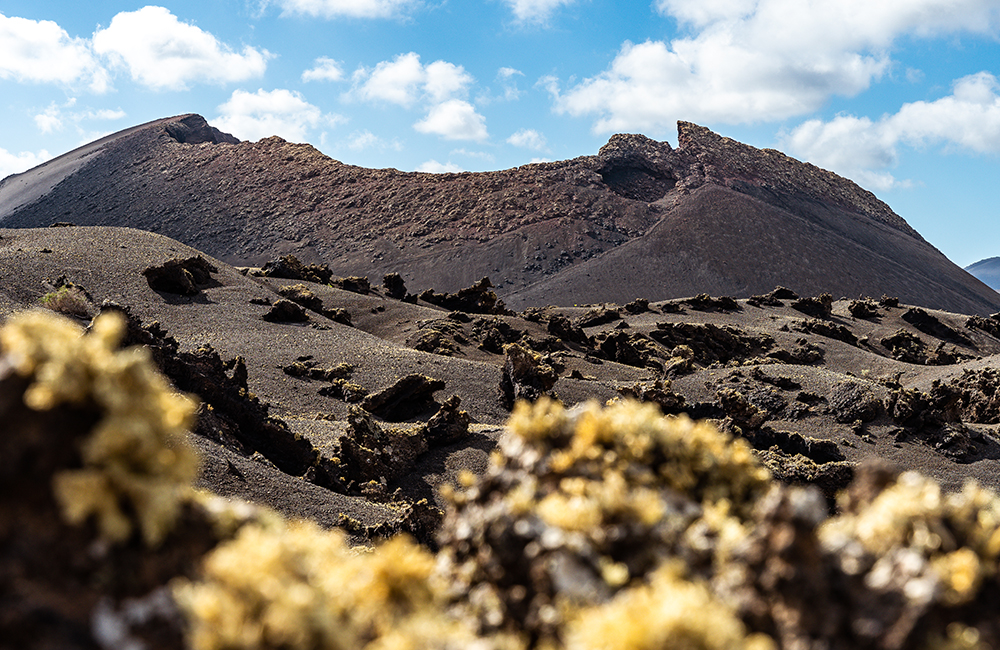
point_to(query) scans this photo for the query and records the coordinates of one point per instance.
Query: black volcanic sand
(826, 378)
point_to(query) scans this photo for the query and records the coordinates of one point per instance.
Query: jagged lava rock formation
(640, 219)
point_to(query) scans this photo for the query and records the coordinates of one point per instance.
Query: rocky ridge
(537, 230)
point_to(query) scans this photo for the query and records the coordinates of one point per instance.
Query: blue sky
(902, 96)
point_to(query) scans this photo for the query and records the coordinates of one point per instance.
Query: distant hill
(639, 219)
(987, 270)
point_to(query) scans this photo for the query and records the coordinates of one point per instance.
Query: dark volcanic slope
(639, 219)
(987, 270)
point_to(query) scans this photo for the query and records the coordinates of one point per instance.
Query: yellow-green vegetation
(951, 540)
(635, 442)
(69, 300)
(308, 589)
(136, 462)
(582, 504)
(669, 612)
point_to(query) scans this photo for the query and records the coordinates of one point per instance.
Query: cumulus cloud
(535, 11)
(349, 8)
(405, 81)
(864, 150)
(746, 61)
(529, 139)
(285, 113)
(11, 163)
(41, 51)
(163, 53)
(324, 69)
(434, 167)
(454, 119)
(440, 87)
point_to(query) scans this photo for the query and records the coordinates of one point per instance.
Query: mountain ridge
(529, 228)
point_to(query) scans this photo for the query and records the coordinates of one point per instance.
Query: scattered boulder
(866, 308)
(477, 299)
(852, 401)
(773, 298)
(494, 333)
(637, 306)
(185, 277)
(394, 286)
(525, 375)
(409, 397)
(561, 327)
(308, 368)
(598, 316)
(827, 329)
(711, 343)
(354, 284)
(629, 349)
(818, 307)
(931, 325)
(286, 311)
(705, 302)
(449, 424)
(290, 268)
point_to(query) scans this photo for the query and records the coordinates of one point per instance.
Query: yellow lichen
(136, 461)
(637, 441)
(308, 589)
(958, 534)
(669, 612)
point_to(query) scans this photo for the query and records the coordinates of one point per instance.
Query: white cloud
(454, 119)
(405, 80)
(746, 61)
(16, 163)
(41, 51)
(349, 8)
(434, 167)
(507, 78)
(529, 139)
(50, 119)
(361, 140)
(324, 69)
(863, 149)
(54, 117)
(535, 11)
(164, 53)
(482, 155)
(285, 113)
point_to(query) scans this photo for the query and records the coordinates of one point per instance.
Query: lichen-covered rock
(853, 400)
(289, 267)
(477, 299)
(818, 307)
(308, 590)
(136, 460)
(449, 424)
(286, 311)
(408, 397)
(394, 286)
(95, 509)
(581, 505)
(525, 376)
(181, 276)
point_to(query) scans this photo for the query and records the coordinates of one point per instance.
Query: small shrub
(70, 300)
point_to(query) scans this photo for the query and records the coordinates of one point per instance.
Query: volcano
(640, 219)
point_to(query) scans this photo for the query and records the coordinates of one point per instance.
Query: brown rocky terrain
(356, 404)
(361, 405)
(639, 220)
